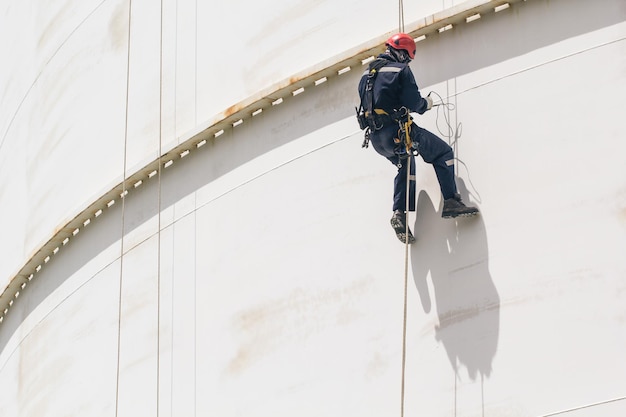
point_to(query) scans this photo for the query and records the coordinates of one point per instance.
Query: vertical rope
(406, 276)
(172, 244)
(195, 306)
(158, 352)
(406, 235)
(456, 132)
(195, 272)
(195, 75)
(119, 306)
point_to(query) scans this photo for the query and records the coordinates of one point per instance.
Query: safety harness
(371, 119)
(366, 114)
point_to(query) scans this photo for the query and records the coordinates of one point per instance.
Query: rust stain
(234, 109)
(293, 319)
(282, 88)
(240, 106)
(54, 24)
(293, 80)
(118, 27)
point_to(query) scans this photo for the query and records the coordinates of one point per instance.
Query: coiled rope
(453, 134)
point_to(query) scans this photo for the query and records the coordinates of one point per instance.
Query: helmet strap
(399, 55)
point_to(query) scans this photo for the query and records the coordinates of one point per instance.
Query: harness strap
(367, 103)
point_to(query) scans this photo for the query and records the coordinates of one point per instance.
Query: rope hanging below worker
(408, 144)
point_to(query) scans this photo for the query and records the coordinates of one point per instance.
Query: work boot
(398, 222)
(454, 207)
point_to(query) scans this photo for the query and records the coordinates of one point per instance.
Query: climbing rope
(406, 231)
(159, 198)
(123, 219)
(400, 16)
(453, 134)
(406, 258)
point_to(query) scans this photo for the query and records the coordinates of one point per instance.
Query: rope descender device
(404, 131)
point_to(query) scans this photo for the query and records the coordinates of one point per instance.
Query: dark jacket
(395, 87)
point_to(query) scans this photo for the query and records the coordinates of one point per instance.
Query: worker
(388, 93)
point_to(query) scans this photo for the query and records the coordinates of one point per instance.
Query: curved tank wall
(253, 271)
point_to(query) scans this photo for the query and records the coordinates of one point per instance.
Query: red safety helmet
(402, 41)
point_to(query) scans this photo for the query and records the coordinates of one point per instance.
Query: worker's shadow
(456, 255)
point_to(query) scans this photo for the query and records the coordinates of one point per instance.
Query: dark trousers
(433, 150)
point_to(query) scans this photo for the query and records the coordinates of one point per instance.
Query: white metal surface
(257, 274)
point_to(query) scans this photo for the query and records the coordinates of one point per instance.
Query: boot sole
(400, 230)
(453, 215)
